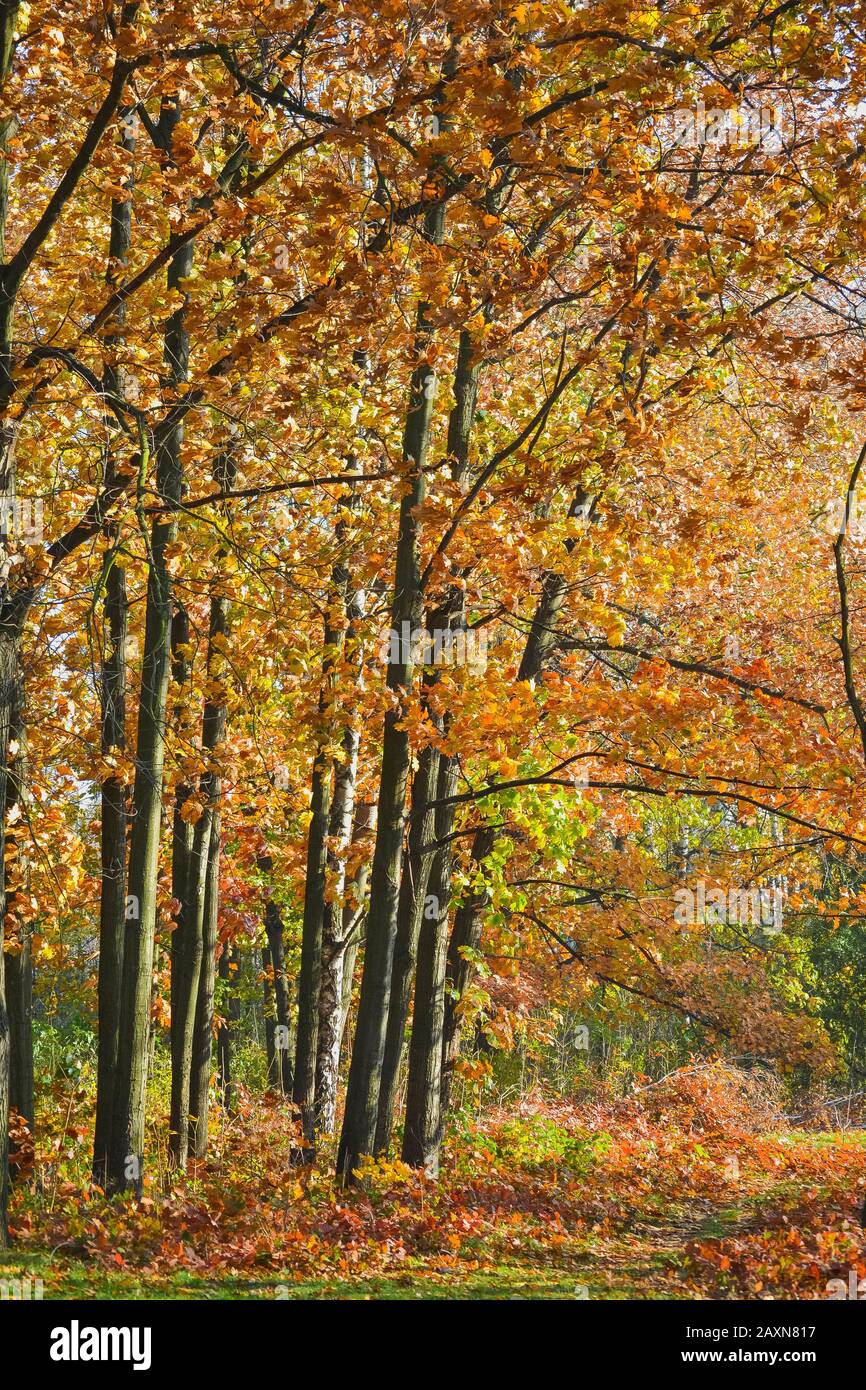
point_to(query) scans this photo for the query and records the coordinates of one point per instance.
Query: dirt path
(646, 1260)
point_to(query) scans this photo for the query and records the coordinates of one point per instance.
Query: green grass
(73, 1280)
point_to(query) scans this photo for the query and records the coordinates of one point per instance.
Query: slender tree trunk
(309, 980)
(336, 920)
(542, 633)
(186, 943)
(112, 901)
(205, 855)
(362, 1097)
(422, 1135)
(126, 1152)
(284, 1043)
(413, 891)
(339, 954)
(354, 926)
(202, 1050)
(350, 604)
(273, 1072)
(462, 418)
(228, 969)
(333, 956)
(465, 937)
(196, 878)
(19, 994)
(423, 1126)
(126, 1155)
(330, 826)
(355, 942)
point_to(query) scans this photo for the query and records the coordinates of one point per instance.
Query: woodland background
(432, 724)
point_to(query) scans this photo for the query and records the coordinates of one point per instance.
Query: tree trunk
(186, 944)
(273, 1072)
(331, 980)
(356, 941)
(413, 891)
(465, 936)
(542, 633)
(462, 418)
(309, 979)
(203, 894)
(126, 1151)
(328, 836)
(423, 1124)
(19, 998)
(228, 969)
(202, 1050)
(422, 1135)
(350, 603)
(339, 954)
(112, 899)
(190, 957)
(362, 1097)
(284, 1042)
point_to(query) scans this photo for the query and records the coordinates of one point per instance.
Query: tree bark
(340, 951)
(362, 1097)
(228, 970)
(338, 915)
(422, 1135)
(417, 864)
(328, 838)
(126, 1150)
(284, 1042)
(465, 936)
(423, 1124)
(309, 979)
(112, 902)
(333, 955)
(203, 892)
(273, 1072)
(196, 855)
(202, 1050)
(186, 942)
(113, 793)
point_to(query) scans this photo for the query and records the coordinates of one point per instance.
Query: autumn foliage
(431, 685)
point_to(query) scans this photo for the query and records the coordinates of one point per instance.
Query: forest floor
(545, 1201)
